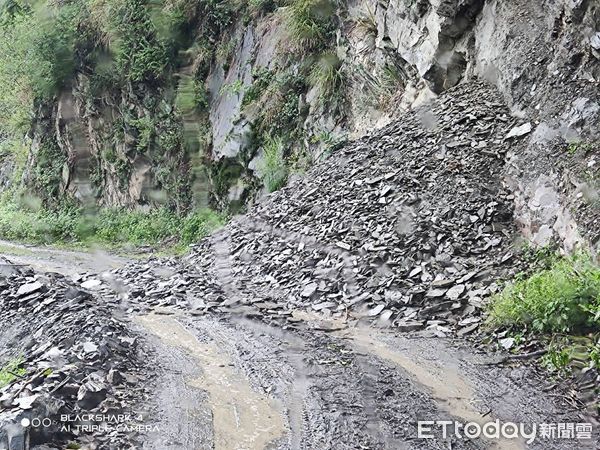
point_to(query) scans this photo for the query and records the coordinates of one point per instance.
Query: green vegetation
(260, 7)
(117, 42)
(109, 227)
(310, 24)
(274, 170)
(144, 128)
(140, 53)
(568, 353)
(191, 97)
(564, 298)
(328, 76)
(35, 58)
(558, 303)
(138, 70)
(263, 78)
(48, 172)
(275, 99)
(235, 88)
(557, 359)
(11, 371)
(583, 147)
(225, 50)
(328, 142)
(389, 84)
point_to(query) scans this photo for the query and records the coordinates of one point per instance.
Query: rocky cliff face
(114, 147)
(258, 81)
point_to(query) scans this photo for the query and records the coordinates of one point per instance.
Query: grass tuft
(310, 24)
(367, 22)
(328, 75)
(274, 170)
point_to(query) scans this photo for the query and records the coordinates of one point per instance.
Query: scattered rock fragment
(91, 284)
(29, 288)
(519, 131)
(455, 291)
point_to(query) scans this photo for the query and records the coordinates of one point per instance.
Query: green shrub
(47, 172)
(557, 358)
(565, 353)
(564, 298)
(278, 108)
(52, 49)
(263, 78)
(140, 54)
(36, 58)
(328, 142)
(273, 169)
(260, 7)
(199, 224)
(145, 129)
(219, 14)
(153, 227)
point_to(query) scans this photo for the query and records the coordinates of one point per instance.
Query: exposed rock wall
(543, 57)
(116, 148)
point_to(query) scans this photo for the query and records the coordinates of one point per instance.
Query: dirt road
(229, 382)
(66, 262)
(353, 387)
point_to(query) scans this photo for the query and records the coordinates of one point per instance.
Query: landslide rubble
(77, 359)
(411, 226)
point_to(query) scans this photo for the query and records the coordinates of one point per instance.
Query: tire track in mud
(333, 397)
(343, 393)
(300, 417)
(241, 417)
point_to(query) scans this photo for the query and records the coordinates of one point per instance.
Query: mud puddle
(447, 386)
(242, 418)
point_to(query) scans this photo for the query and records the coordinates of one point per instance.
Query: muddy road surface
(230, 382)
(66, 262)
(349, 387)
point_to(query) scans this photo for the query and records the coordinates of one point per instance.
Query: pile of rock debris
(411, 226)
(77, 365)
